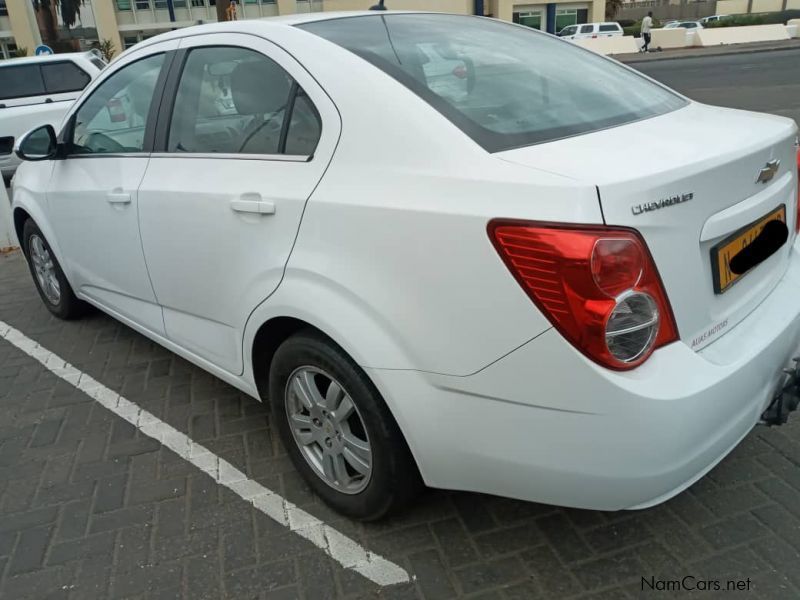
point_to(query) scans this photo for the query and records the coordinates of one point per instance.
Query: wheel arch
(20, 216)
(273, 331)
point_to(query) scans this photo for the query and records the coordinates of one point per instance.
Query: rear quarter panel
(392, 258)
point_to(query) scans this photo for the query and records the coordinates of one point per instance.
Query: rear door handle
(259, 207)
(118, 198)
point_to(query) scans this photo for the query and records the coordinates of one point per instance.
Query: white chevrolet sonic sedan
(448, 250)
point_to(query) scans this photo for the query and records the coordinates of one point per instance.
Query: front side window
(588, 28)
(18, 82)
(64, 77)
(237, 101)
(114, 117)
(504, 86)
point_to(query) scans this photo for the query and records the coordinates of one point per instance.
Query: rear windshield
(505, 86)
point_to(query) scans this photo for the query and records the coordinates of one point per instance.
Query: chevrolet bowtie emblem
(768, 172)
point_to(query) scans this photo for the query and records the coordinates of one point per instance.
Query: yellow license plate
(722, 253)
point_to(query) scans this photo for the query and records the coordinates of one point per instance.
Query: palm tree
(70, 12)
(612, 8)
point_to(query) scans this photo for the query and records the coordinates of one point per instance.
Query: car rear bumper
(545, 424)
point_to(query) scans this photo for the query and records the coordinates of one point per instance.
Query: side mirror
(38, 144)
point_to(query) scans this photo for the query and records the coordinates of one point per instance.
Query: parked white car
(689, 25)
(489, 290)
(39, 90)
(590, 30)
(712, 19)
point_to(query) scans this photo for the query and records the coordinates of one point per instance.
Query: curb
(8, 237)
(667, 55)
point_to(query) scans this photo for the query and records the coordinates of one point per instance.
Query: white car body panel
(81, 195)
(392, 261)
(249, 251)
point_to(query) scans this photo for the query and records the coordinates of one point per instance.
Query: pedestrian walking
(647, 25)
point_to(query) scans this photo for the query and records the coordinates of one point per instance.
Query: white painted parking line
(347, 552)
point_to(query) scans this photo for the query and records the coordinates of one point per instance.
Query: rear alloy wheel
(337, 429)
(51, 283)
(328, 429)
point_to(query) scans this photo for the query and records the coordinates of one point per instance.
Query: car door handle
(260, 207)
(118, 198)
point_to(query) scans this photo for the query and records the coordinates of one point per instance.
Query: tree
(222, 10)
(70, 9)
(612, 8)
(107, 49)
(70, 13)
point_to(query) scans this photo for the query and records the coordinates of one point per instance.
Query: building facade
(126, 22)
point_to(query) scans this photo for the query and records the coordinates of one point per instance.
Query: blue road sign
(43, 50)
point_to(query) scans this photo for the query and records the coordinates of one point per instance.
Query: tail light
(597, 285)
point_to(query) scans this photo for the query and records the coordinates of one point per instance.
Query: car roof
(27, 60)
(266, 24)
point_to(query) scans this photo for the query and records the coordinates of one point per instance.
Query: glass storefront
(565, 17)
(530, 19)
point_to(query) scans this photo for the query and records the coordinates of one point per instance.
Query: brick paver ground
(91, 508)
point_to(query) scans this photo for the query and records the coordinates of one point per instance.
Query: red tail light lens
(597, 285)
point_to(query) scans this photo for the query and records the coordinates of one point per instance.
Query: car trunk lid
(687, 181)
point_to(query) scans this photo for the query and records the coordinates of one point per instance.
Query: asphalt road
(763, 81)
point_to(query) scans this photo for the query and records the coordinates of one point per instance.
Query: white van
(590, 30)
(39, 90)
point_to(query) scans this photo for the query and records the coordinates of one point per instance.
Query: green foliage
(19, 52)
(635, 30)
(107, 49)
(756, 19)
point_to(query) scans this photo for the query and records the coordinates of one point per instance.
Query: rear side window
(588, 28)
(611, 27)
(64, 77)
(18, 82)
(238, 101)
(504, 86)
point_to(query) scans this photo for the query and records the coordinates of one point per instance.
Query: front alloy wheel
(45, 270)
(51, 283)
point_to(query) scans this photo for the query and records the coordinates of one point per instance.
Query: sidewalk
(697, 52)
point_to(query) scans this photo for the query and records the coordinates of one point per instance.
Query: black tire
(68, 305)
(394, 480)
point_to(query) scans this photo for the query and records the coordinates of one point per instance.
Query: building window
(3, 9)
(565, 17)
(198, 2)
(529, 19)
(129, 41)
(142, 4)
(123, 4)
